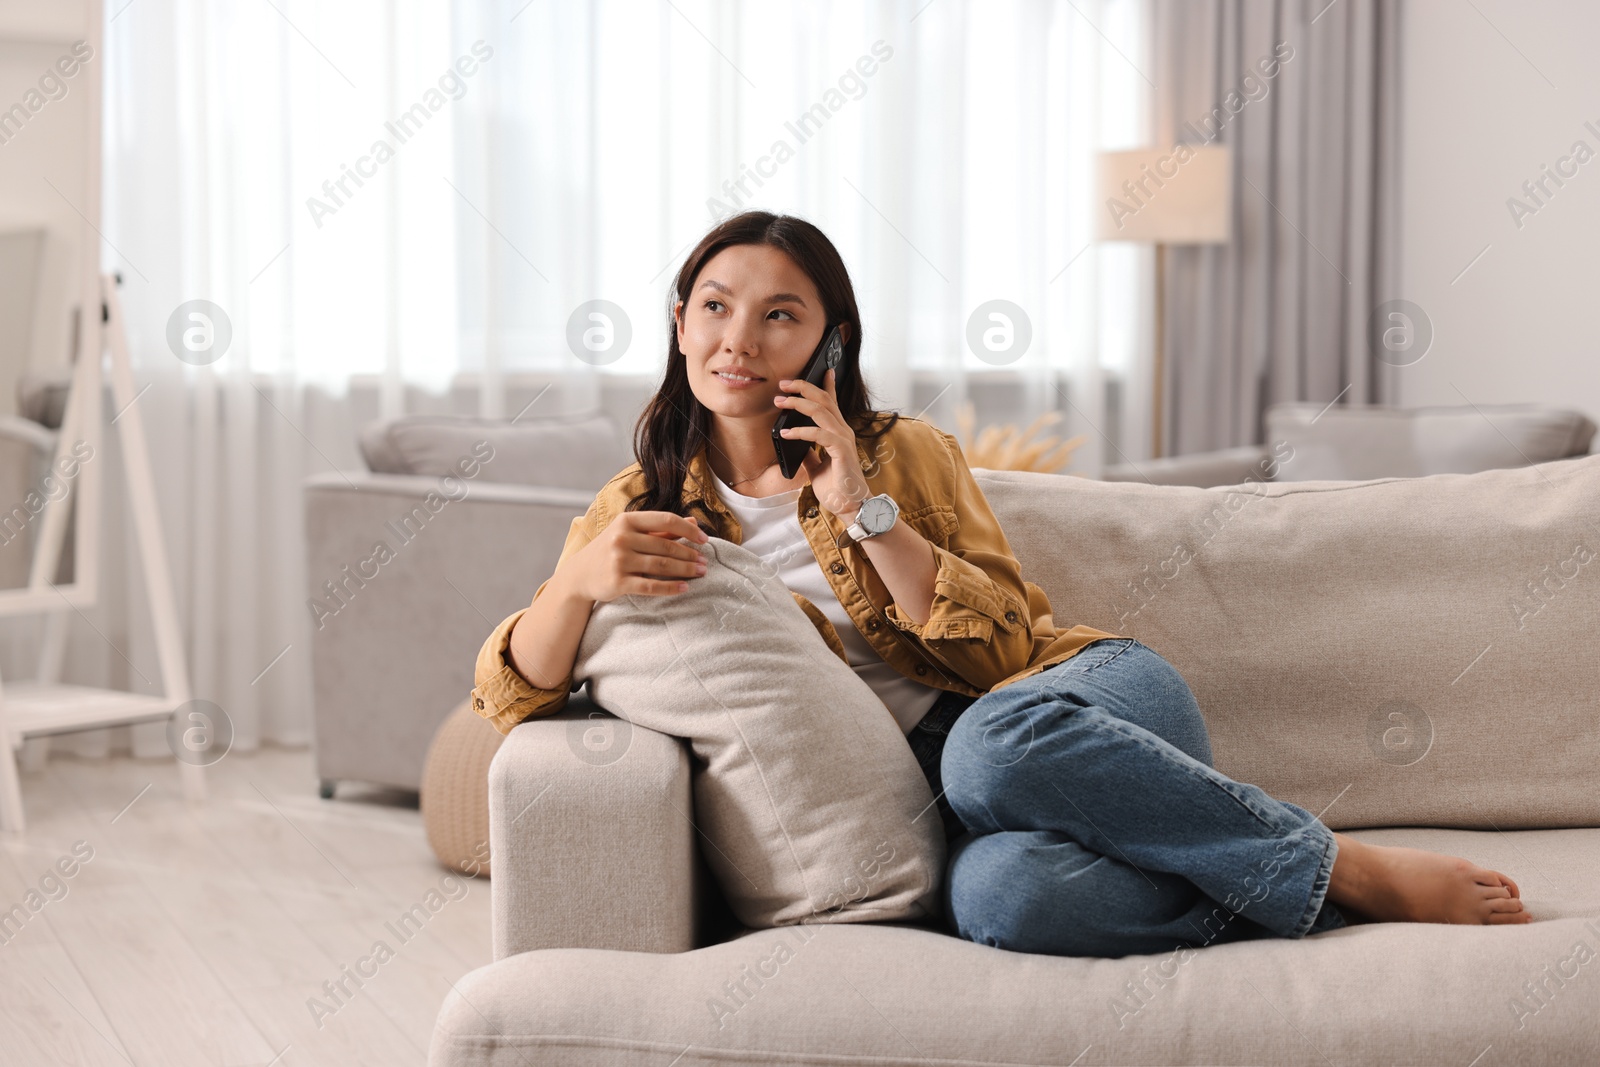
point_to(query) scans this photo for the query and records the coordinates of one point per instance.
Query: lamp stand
(1158, 361)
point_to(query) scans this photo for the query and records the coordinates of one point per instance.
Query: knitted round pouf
(455, 790)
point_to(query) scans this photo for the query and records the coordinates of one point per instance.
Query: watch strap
(846, 538)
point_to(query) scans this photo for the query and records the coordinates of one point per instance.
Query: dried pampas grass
(1005, 448)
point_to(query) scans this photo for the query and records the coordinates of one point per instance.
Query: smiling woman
(748, 308)
(1116, 834)
(887, 544)
(751, 302)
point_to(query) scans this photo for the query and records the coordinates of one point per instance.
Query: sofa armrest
(1227, 466)
(36, 440)
(590, 837)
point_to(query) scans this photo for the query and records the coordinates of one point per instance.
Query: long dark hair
(675, 425)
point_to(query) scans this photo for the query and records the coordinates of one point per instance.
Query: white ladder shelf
(45, 706)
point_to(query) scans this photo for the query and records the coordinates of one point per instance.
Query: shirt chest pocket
(935, 522)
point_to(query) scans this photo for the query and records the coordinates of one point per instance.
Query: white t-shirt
(771, 527)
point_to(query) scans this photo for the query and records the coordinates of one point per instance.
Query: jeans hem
(1319, 888)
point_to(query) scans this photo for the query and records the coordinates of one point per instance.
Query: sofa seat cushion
(888, 994)
(810, 805)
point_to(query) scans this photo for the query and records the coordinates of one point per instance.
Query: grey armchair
(411, 563)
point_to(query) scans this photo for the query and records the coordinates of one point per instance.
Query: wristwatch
(877, 515)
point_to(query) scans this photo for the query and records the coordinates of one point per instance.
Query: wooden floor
(205, 935)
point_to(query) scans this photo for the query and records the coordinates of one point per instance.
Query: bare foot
(1385, 884)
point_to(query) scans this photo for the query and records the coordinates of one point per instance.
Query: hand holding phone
(829, 354)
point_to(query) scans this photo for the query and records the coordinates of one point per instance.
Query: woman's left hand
(835, 476)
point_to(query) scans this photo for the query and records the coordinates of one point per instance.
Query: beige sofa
(392, 655)
(1413, 659)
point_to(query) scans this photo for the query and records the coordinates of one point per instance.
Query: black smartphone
(829, 354)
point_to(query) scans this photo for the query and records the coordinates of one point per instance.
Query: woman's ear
(844, 333)
(677, 318)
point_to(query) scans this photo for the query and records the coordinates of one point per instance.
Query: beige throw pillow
(809, 803)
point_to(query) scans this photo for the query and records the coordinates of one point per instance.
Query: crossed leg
(1099, 827)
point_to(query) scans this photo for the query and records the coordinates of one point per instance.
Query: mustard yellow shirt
(987, 626)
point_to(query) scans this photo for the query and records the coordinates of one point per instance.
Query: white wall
(1480, 118)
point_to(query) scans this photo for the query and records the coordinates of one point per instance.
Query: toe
(1511, 885)
(1484, 876)
(1506, 905)
(1506, 918)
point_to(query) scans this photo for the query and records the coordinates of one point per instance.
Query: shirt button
(922, 670)
(477, 703)
(872, 624)
(1011, 616)
(811, 513)
(837, 568)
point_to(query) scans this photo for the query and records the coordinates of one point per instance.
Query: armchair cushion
(1357, 443)
(555, 451)
(813, 806)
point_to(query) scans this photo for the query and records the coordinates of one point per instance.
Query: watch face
(877, 515)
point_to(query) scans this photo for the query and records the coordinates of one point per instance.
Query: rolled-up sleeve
(979, 623)
(499, 693)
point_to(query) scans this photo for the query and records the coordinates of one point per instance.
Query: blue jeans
(1085, 818)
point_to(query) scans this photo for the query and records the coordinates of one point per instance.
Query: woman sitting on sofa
(1072, 768)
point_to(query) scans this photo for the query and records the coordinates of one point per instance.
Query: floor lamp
(1177, 196)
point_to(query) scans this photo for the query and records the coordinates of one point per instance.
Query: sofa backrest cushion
(556, 451)
(1376, 442)
(1416, 652)
(810, 803)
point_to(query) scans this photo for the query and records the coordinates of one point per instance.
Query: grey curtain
(1280, 312)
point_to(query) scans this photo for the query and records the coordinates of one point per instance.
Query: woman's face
(755, 312)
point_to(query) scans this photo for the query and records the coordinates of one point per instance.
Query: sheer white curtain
(945, 147)
(400, 207)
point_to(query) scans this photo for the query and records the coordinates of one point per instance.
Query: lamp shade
(1180, 195)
